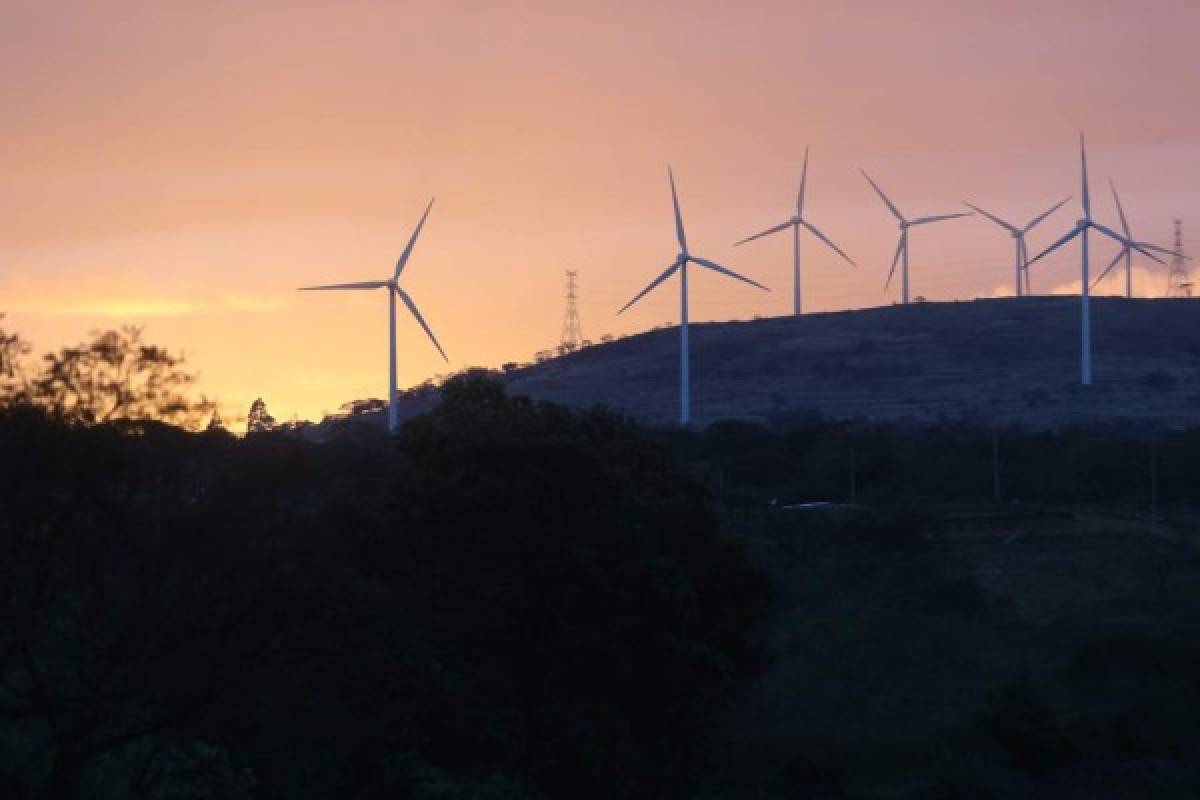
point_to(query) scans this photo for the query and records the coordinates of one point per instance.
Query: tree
(507, 600)
(568, 548)
(259, 420)
(116, 376)
(111, 631)
(12, 349)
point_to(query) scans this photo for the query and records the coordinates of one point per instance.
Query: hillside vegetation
(1005, 359)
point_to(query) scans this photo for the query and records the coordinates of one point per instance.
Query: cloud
(134, 306)
(1146, 283)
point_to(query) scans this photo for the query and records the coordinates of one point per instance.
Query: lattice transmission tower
(1179, 282)
(572, 337)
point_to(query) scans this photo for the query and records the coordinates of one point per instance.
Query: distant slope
(1004, 359)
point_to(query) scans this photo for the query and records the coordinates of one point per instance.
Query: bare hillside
(1004, 359)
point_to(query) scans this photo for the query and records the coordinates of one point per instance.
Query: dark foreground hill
(1011, 360)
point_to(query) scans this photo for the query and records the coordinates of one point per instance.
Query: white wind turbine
(902, 245)
(1081, 229)
(1126, 251)
(393, 290)
(794, 223)
(1018, 235)
(680, 265)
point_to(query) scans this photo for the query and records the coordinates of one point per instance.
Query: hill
(997, 359)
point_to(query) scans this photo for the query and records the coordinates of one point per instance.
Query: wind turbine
(680, 265)
(794, 223)
(902, 245)
(1018, 235)
(1126, 251)
(393, 291)
(1081, 229)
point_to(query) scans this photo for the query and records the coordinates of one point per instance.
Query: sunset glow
(187, 166)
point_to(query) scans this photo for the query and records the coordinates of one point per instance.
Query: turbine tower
(392, 285)
(902, 245)
(680, 265)
(795, 223)
(1126, 251)
(1018, 235)
(572, 337)
(1081, 230)
(1179, 284)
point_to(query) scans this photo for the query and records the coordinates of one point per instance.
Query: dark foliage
(114, 377)
(513, 601)
(944, 465)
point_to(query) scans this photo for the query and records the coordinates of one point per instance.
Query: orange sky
(185, 165)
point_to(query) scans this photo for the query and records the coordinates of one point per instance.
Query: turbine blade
(1164, 250)
(1087, 198)
(781, 226)
(1040, 217)
(939, 218)
(1071, 235)
(715, 267)
(1110, 233)
(408, 301)
(813, 230)
(1109, 268)
(992, 217)
(412, 241)
(895, 261)
(803, 181)
(666, 274)
(883, 196)
(359, 285)
(678, 217)
(1120, 211)
(1141, 248)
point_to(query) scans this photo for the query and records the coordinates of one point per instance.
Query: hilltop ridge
(1007, 360)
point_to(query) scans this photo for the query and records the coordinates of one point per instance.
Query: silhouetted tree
(259, 419)
(559, 544)
(116, 376)
(12, 379)
(373, 405)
